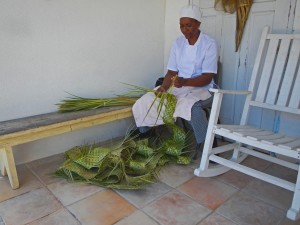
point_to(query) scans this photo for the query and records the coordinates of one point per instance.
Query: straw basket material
(242, 12)
(242, 9)
(226, 5)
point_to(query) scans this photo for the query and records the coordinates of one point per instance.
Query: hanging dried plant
(242, 12)
(242, 9)
(228, 6)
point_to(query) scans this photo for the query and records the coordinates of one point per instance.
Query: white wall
(50, 47)
(172, 30)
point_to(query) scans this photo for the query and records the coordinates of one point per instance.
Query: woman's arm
(167, 81)
(199, 81)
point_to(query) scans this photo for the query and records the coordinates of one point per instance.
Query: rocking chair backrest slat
(288, 80)
(278, 71)
(295, 97)
(267, 71)
(275, 81)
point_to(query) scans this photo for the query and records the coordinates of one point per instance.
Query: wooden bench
(23, 130)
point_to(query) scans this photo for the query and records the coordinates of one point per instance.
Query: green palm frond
(130, 163)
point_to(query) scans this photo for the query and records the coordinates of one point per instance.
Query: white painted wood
(288, 81)
(213, 120)
(267, 71)
(279, 141)
(246, 132)
(276, 107)
(274, 54)
(269, 158)
(257, 174)
(230, 91)
(278, 72)
(295, 96)
(291, 145)
(296, 22)
(258, 137)
(294, 212)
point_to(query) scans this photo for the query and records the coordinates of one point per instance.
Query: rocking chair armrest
(236, 92)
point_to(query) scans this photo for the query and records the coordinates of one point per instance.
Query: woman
(191, 67)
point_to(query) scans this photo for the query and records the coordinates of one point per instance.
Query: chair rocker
(274, 85)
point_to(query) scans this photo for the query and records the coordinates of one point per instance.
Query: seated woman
(191, 67)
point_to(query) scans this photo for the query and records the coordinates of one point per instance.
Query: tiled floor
(180, 198)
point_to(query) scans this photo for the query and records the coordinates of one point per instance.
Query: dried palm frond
(242, 9)
(242, 13)
(76, 103)
(129, 164)
(226, 5)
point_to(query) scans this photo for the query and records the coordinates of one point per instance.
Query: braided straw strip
(243, 9)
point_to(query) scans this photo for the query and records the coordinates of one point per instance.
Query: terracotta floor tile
(175, 175)
(282, 172)
(207, 191)
(28, 207)
(286, 221)
(27, 182)
(45, 167)
(175, 208)
(215, 219)
(256, 163)
(60, 217)
(235, 179)
(137, 218)
(69, 193)
(142, 197)
(105, 208)
(270, 193)
(248, 210)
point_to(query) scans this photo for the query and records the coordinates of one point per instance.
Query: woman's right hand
(160, 90)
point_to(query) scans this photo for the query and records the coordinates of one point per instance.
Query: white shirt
(194, 60)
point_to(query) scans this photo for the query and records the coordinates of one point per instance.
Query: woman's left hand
(179, 82)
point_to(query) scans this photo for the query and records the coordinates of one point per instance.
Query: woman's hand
(179, 82)
(160, 90)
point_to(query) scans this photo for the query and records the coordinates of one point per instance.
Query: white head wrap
(191, 11)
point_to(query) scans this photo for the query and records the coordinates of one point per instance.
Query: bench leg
(8, 166)
(294, 212)
(2, 166)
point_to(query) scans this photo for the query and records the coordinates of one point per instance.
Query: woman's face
(189, 27)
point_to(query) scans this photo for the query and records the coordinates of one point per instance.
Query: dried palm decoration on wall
(242, 9)
(242, 12)
(228, 6)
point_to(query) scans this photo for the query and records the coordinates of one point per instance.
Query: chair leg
(294, 212)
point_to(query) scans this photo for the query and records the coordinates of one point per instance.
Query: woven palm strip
(114, 167)
(242, 12)
(174, 146)
(130, 164)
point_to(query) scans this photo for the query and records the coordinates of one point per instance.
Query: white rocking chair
(274, 85)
